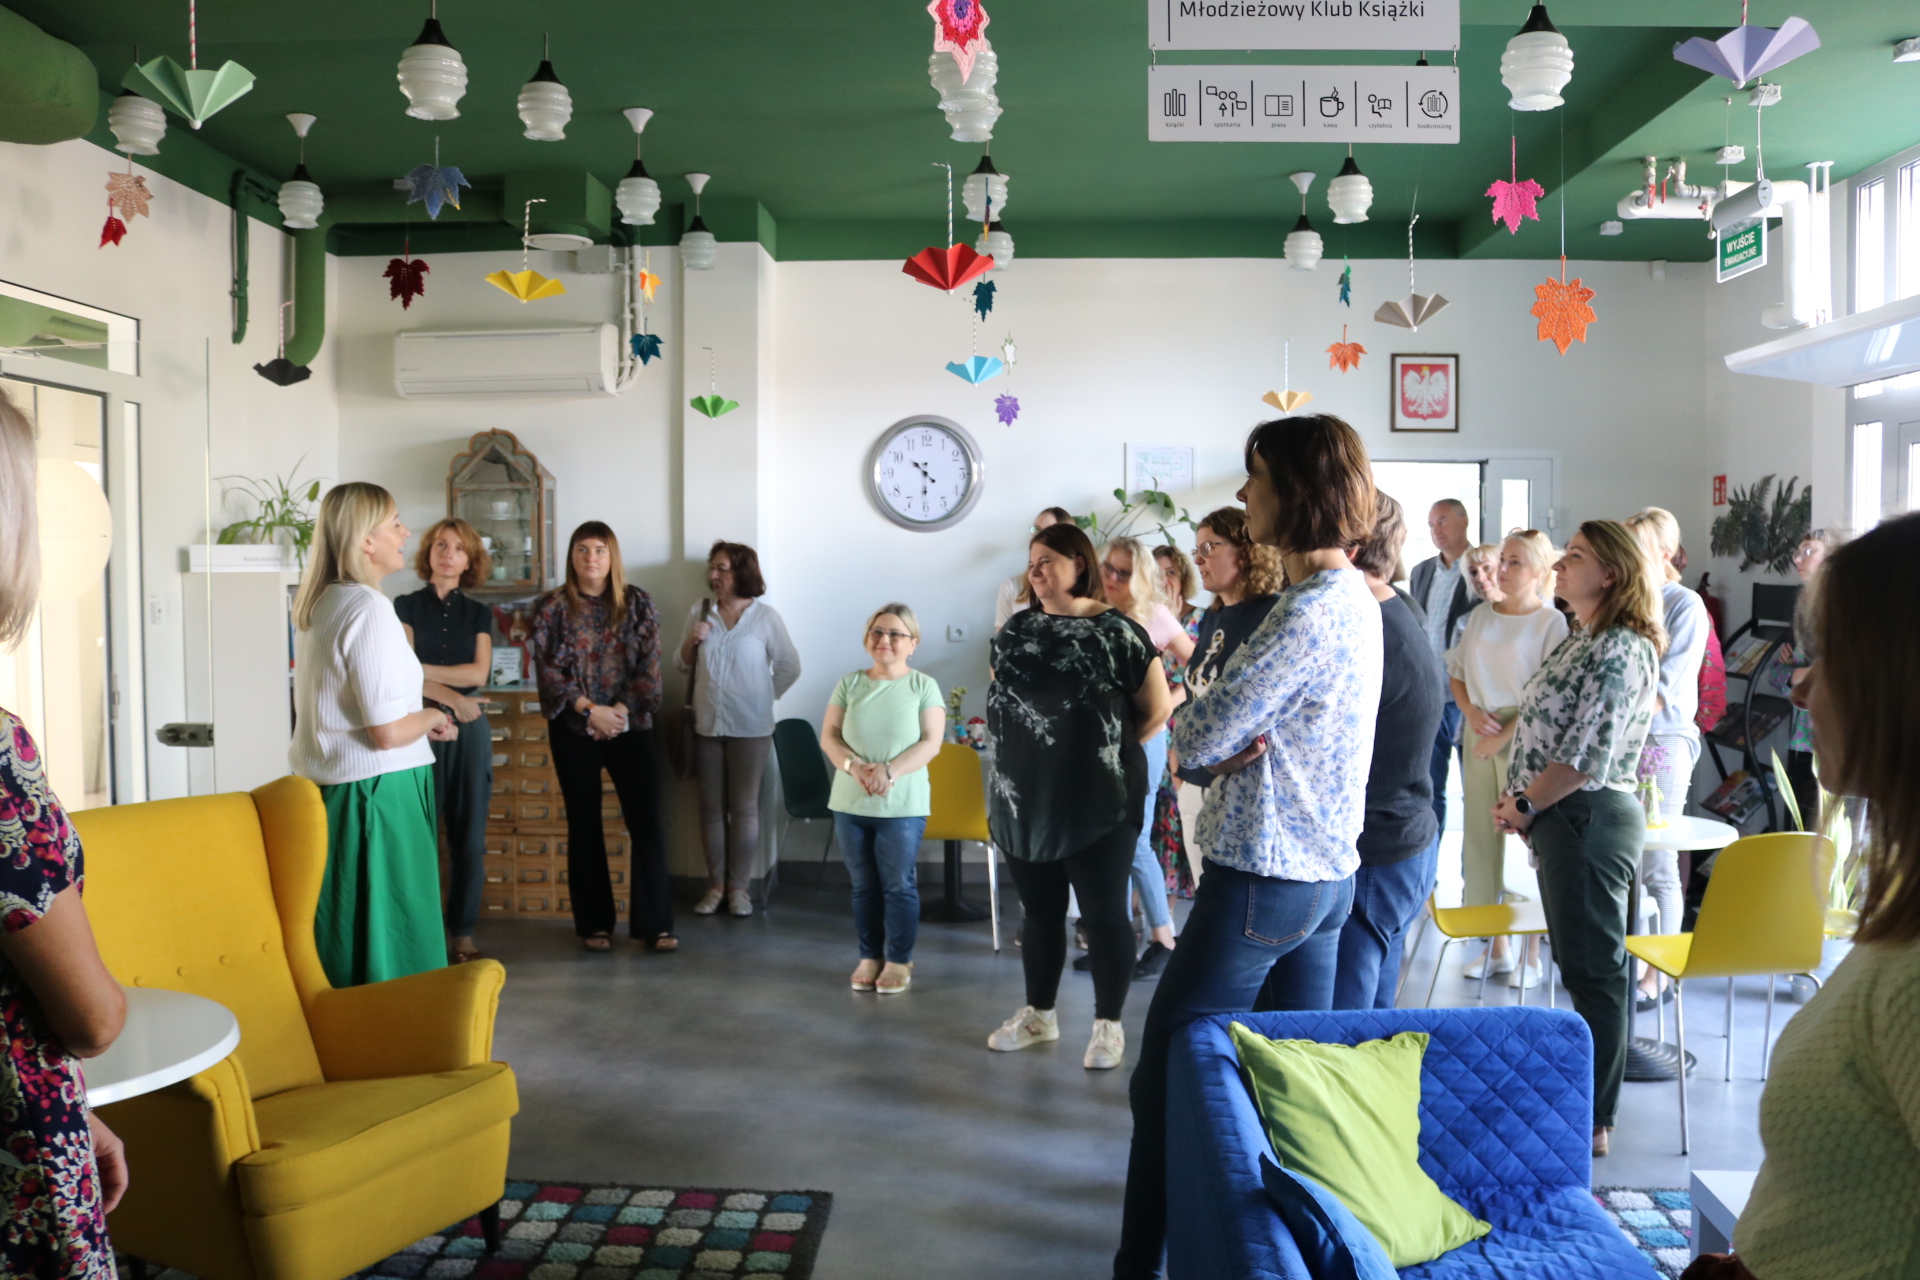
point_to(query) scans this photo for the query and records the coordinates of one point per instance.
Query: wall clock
(924, 473)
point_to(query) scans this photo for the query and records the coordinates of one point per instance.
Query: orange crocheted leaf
(1345, 356)
(1563, 311)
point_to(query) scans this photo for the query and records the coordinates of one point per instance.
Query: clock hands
(926, 477)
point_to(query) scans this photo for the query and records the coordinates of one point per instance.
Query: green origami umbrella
(714, 406)
(196, 95)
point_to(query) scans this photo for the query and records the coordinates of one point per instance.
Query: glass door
(1518, 494)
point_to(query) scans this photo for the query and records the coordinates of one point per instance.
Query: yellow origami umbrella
(527, 286)
(1286, 401)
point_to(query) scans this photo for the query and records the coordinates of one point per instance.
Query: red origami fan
(947, 268)
(408, 276)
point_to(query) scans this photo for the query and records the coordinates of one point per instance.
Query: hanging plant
(1763, 525)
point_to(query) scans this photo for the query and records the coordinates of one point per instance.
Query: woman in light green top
(1840, 1118)
(881, 728)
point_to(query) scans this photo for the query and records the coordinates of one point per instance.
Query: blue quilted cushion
(1539, 1231)
(1335, 1244)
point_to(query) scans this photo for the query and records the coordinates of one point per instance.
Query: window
(1865, 494)
(1913, 478)
(1870, 245)
(1515, 494)
(1907, 232)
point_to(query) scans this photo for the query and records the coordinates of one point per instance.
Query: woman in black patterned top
(596, 645)
(1077, 688)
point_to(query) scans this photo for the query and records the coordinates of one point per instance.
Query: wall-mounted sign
(1303, 104)
(1304, 24)
(1166, 467)
(1742, 249)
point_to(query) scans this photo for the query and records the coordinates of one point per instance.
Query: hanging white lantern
(432, 75)
(984, 192)
(545, 105)
(138, 124)
(1304, 248)
(301, 200)
(1537, 65)
(974, 125)
(995, 243)
(638, 195)
(698, 245)
(964, 93)
(1350, 195)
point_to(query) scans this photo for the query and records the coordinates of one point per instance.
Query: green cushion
(1348, 1116)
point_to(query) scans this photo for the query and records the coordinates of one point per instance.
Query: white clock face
(924, 474)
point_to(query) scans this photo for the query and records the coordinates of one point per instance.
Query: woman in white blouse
(1501, 645)
(361, 734)
(741, 661)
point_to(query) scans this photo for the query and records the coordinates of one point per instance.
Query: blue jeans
(1148, 877)
(1240, 927)
(1386, 901)
(1443, 747)
(881, 854)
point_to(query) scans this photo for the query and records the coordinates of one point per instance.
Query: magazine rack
(1753, 652)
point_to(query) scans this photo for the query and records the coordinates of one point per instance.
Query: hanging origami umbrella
(191, 92)
(281, 371)
(525, 284)
(1415, 309)
(1288, 400)
(1747, 51)
(947, 268)
(977, 369)
(713, 404)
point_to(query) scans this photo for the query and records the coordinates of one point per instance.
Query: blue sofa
(1506, 1119)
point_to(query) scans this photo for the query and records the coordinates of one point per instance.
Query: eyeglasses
(895, 637)
(1806, 552)
(1112, 572)
(1204, 549)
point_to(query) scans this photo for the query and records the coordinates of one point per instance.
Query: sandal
(894, 979)
(463, 954)
(597, 942)
(864, 975)
(665, 942)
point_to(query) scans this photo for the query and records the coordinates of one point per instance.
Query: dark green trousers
(1588, 846)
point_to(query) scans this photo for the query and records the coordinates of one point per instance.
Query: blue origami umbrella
(1747, 51)
(977, 369)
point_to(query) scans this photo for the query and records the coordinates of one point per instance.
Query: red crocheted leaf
(406, 275)
(1513, 201)
(113, 233)
(1345, 356)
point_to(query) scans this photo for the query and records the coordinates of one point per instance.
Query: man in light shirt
(1441, 588)
(1009, 601)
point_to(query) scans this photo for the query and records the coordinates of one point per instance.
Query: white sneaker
(1108, 1045)
(1029, 1026)
(1525, 977)
(740, 903)
(1501, 964)
(709, 904)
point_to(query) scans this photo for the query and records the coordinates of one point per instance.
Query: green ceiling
(822, 114)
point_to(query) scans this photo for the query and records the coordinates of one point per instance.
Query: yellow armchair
(349, 1123)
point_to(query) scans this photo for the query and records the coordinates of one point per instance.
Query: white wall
(206, 413)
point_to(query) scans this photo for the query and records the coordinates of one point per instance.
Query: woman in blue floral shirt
(1288, 726)
(1571, 777)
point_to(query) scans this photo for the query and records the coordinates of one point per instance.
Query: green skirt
(379, 913)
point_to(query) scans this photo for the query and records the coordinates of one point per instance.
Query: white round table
(169, 1036)
(1648, 1058)
(1689, 833)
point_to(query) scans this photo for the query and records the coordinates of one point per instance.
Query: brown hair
(1060, 514)
(1632, 601)
(747, 582)
(1379, 555)
(1869, 667)
(1320, 473)
(616, 576)
(1070, 540)
(1183, 569)
(19, 522)
(479, 561)
(1259, 565)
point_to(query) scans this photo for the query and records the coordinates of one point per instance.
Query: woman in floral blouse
(1573, 771)
(596, 645)
(61, 1170)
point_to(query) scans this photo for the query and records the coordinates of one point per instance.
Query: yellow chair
(1765, 912)
(960, 813)
(1462, 924)
(349, 1123)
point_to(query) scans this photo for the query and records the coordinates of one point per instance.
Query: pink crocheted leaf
(1513, 201)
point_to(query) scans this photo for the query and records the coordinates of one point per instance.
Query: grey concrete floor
(746, 1061)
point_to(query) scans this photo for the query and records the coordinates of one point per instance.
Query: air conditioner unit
(495, 364)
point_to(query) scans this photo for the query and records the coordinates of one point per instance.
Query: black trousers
(1101, 876)
(463, 783)
(631, 760)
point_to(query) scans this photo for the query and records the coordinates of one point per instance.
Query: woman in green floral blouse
(1570, 784)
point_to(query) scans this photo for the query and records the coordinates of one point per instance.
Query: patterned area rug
(581, 1231)
(1657, 1219)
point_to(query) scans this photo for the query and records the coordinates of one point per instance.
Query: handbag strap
(705, 607)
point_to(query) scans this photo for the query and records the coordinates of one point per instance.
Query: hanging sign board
(1742, 249)
(1303, 104)
(1303, 24)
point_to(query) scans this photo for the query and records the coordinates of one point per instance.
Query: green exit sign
(1742, 250)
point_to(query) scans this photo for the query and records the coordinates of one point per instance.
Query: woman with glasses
(1179, 584)
(881, 728)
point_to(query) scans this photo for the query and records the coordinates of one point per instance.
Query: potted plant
(283, 514)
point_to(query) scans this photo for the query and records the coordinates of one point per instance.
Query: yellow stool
(960, 813)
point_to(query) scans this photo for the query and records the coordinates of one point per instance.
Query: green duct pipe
(48, 89)
(309, 327)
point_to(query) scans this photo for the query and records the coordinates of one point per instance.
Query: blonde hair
(1538, 549)
(1631, 601)
(1659, 535)
(1486, 553)
(1143, 587)
(898, 610)
(348, 514)
(19, 523)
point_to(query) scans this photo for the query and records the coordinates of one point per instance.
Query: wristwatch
(1524, 805)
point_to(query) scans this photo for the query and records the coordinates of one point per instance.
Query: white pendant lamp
(432, 74)
(1537, 65)
(970, 104)
(698, 245)
(995, 243)
(984, 192)
(138, 124)
(545, 104)
(301, 201)
(638, 195)
(1349, 195)
(1304, 247)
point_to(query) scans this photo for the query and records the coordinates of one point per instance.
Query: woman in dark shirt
(452, 635)
(596, 643)
(1077, 688)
